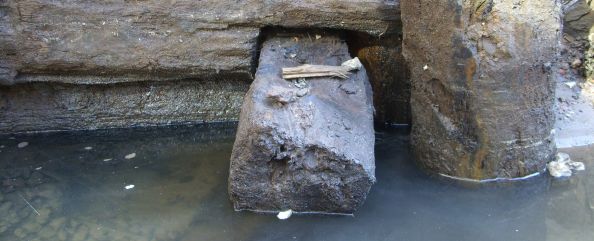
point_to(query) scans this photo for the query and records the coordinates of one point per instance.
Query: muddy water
(73, 187)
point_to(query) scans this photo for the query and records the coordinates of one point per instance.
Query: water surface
(71, 186)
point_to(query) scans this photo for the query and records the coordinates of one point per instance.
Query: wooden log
(304, 145)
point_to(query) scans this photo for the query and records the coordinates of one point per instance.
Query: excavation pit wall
(75, 101)
(124, 64)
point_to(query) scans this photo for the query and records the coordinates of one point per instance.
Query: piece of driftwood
(309, 71)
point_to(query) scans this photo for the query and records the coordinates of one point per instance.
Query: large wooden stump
(307, 144)
(482, 94)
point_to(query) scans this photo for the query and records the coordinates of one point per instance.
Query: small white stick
(29, 205)
(309, 71)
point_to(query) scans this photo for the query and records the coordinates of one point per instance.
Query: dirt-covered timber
(482, 93)
(115, 41)
(144, 63)
(60, 106)
(305, 145)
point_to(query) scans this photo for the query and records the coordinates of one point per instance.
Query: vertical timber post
(482, 92)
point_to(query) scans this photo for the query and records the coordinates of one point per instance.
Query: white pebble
(129, 186)
(284, 214)
(130, 156)
(23, 144)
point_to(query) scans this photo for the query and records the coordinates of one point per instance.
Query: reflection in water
(71, 186)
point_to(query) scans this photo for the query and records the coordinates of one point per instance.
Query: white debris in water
(564, 166)
(107, 159)
(127, 187)
(131, 155)
(425, 67)
(89, 148)
(38, 168)
(284, 214)
(23, 144)
(570, 84)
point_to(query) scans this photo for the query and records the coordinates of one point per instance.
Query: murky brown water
(72, 187)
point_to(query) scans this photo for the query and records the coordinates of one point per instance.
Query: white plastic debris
(578, 166)
(318, 36)
(127, 187)
(131, 155)
(107, 159)
(89, 148)
(23, 144)
(284, 214)
(558, 169)
(570, 84)
(425, 67)
(38, 168)
(352, 64)
(564, 166)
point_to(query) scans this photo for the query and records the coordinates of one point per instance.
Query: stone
(46, 233)
(483, 108)
(32, 226)
(20, 233)
(313, 153)
(36, 178)
(44, 215)
(576, 63)
(57, 223)
(80, 234)
(62, 235)
(5, 206)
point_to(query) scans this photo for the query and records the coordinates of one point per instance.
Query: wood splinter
(309, 71)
